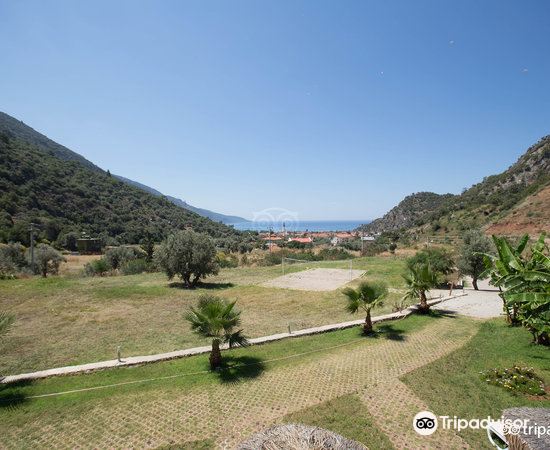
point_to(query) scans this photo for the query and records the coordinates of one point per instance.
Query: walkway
(228, 413)
(135, 360)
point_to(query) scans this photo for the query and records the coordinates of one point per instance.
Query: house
(302, 240)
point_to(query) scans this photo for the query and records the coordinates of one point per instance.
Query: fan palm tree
(365, 297)
(420, 278)
(217, 318)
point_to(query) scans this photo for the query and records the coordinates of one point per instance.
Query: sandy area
(482, 304)
(315, 279)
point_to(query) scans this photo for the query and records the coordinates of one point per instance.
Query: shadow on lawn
(239, 368)
(213, 286)
(10, 396)
(390, 331)
(442, 313)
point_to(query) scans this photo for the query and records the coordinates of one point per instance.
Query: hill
(64, 195)
(498, 202)
(16, 129)
(407, 213)
(183, 204)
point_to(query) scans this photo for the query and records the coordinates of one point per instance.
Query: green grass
(69, 320)
(452, 385)
(346, 416)
(187, 373)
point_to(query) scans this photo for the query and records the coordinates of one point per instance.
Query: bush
(12, 260)
(334, 254)
(46, 259)
(97, 267)
(117, 256)
(440, 260)
(225, 260)
(134, 267)
(516, 379)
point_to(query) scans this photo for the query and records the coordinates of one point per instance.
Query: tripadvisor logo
(425, 423)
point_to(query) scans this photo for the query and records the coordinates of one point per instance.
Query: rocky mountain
(16, 129)
(515, 200)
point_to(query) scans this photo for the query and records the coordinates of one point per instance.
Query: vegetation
(346, 416)
(516, 379)
(46, 259)
(366, 297)
(441, 384)
(12, 260)
(189, 255)
(439, 259)
(524, 281)
(470, 261)
(6, 321)
(218, 319)
(419, 279)
(65, 197)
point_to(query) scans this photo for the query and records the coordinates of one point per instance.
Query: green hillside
(63, 195)
(479, 206)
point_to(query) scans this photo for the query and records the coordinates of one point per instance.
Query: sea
(300, 225)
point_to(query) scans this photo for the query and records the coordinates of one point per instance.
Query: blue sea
(301, 225)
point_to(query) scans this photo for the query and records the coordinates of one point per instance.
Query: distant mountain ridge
(494, 201)
(17, 129)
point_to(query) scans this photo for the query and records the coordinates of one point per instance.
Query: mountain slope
(14, 128)
(407, 213)
(64, 196)
(489, 202)
(183, 204)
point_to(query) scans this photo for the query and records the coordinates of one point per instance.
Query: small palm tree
(365, 297)
(419, 279)
(217, 318)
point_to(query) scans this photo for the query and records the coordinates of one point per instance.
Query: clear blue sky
(335, 110)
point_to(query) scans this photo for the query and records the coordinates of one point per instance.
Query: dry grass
(74, 264)
(70, 320)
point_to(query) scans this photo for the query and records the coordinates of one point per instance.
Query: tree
(419, 279)
(471, 259)
(524, 282)
(365, 297)
(217, 318)
(189, 255)
(440, 260)
(46, 259)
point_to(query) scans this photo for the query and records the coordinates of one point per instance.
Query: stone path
(135, 360)
(228, 413)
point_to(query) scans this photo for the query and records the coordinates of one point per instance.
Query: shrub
(334, 254)
(97, 267)
(440, 260)
(225, 260)
(516, 379)
(46, 259)
(117, 256)
(12, 260)
(134, 267)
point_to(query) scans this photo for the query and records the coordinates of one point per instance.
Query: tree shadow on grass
(11, 396)
(389, 331)
(213, 286)
(442, 313)
(240, 368)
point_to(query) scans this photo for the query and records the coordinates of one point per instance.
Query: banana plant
(524, 282)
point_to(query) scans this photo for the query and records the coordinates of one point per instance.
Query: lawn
(70, 320)
(31, 422)
(452, 385)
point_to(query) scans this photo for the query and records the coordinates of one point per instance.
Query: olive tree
(471, 260)
(46, 259)
(189, 255)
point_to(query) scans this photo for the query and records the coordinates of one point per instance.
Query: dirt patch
(315, 279)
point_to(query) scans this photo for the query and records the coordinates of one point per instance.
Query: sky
(330, 110)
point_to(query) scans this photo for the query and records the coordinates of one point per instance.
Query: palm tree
(217, 318)
(419, 279)
(365, 297)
